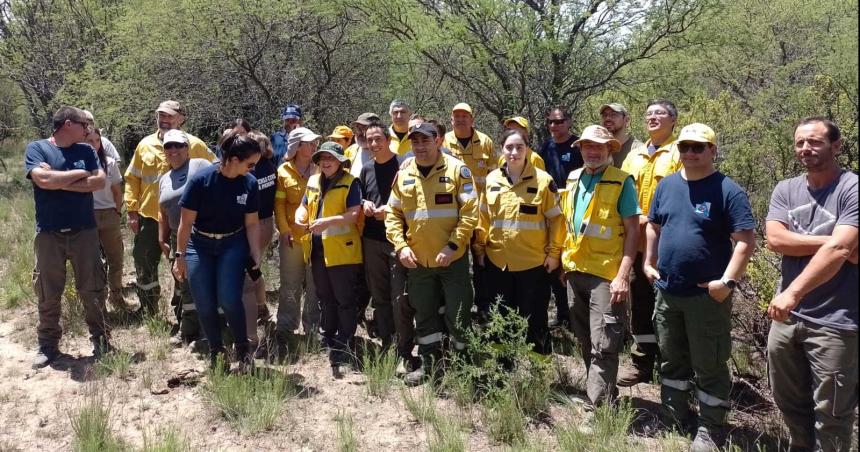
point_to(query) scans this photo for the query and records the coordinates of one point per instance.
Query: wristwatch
(179, 254)
(730, 283)
(453, 246)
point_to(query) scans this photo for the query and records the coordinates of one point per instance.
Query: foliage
(91, 423)
(252, 402)
(17, 217)
(380, 369)
(346, 441)
(116, 363)
(606, 430)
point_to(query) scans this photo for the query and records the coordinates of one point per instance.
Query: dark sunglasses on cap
(697, 148)
(555, 122)
(174, 145)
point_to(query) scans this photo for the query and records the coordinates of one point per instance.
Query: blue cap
(291, 111)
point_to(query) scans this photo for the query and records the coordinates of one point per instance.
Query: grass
(503, 418)
(91, 424)
(606, 431)
(446, 436)
(169, 439)
(116, 363)
(252, 402)
(380, 369)
(422, 406)
(346, 440)
(17, 217)
(156, 325)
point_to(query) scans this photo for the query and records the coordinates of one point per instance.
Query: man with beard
(141, 199)
(358, 153)
(615, 118)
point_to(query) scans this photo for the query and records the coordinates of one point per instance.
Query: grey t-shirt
(818, 212)
(171, 186)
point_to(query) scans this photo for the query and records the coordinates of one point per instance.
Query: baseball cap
(175, 136)
(698, 132)
(464, 107)
(298, 135)
(599, 134)
(291, 111)
(426, 129)
(171, 107)
(616, 107)
(366, 119)
(519, 120)
(341, 132)
(329, 147)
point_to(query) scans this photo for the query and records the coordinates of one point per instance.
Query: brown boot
(631, 376)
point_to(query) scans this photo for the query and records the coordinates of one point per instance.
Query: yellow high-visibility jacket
(398, 146)
(649, 170)
(479, 155)
(341, 244)
(147, 165)
(598, 246)
(533, 157)
(289, 190)
(426, 213)
(520, 224)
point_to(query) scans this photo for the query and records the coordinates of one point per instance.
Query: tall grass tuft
(346, 440)
(422, 406)
(446, 436)
(503, 418)
(380, 370)
(251, 402)
(91, 423)
(156, 325)
(17, 221)
(168, 439)
(116, 363)
(607, 430)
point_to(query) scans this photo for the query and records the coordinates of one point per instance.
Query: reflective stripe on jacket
(342, 243)
(425, 213)
(598, 246)
(147, 165)
(520, 224)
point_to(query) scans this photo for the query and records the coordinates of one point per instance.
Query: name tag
(528, 209)
(497, 188)
(531, 190)
(408, 181)
(444, 198)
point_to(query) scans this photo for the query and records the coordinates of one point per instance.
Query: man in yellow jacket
(141, 199)
(648, 165)
(602, 216)
(433, 210)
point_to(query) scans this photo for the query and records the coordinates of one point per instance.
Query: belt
(217, 236)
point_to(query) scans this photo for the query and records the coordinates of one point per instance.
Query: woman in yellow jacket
(519, 236)
(330, 212)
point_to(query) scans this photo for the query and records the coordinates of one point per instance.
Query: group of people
(435, 227)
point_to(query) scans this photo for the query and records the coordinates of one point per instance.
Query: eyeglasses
(85, 124)
(697, 148)
(657, 113)
(555, 122)
(170, 146)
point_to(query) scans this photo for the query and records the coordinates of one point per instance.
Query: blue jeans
(216, 274)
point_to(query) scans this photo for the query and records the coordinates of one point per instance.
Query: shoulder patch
(465, 173)
(408, 181)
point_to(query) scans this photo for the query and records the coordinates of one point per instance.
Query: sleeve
(91, 160)
(33, 156)
(281, 204)
(353, 198)
(494, 156)
(191, 197)
(110, 149)
(113, 175)
(847, 209)
(467, 198)
(482, 229)
(653, 215)
(252, 204)
(554, 219)
(395, 220)
(628, 202)
(778, 208)
(132, 181)
(740, 212)
(199, 150)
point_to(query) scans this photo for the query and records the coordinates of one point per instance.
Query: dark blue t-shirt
(561, 158)
(221, 203)
(266, 174)
(57, 210)
(697, 219)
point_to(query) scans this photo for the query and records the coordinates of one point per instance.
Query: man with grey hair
(400, 112)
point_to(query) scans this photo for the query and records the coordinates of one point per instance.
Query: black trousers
(646, 352)
(527, 293)
(336, 290)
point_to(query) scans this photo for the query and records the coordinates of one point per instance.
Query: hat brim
(338, 136)
(174, 141)
(695, 140)
(609, 106)
(169, 111)
(316, 156)
(428, 135)
(285, 117)
(614, 145)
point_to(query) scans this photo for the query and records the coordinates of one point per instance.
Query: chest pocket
(151, 159)
(294, 193)
(408, 190)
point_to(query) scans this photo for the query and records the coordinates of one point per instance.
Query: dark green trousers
(147, 255)
(442, 298)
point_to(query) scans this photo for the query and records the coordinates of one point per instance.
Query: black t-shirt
(561, 158)
(220, 202)
(464, 142)
(266, 175)
(376, 180)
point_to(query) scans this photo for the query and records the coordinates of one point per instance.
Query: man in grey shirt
(812, 345)
(171, 185)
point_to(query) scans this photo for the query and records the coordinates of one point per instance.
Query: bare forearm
(631, 243)
(741, 255)
(790, 243)
(116, 191)
(57, 180)
(823, 267)
(652, 234)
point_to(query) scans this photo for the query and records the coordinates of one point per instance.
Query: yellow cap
(341, 132)
(699, 133)
(519, 120)
(464, 107)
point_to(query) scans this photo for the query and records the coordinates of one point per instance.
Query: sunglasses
(697, 148)
(169, 146)
(556, 122)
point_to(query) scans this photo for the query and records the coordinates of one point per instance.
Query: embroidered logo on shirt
(565, 157)
(242, 199)
(79, 164)
(703, 209)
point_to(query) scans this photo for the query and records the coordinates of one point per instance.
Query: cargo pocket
(37, 285)
(613, 332)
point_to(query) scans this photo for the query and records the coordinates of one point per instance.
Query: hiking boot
(560, 323)
(631, 376)
(338, 371)
(416, 377)
(45, 356)
(704, 441)
(117, 300)
(101, 346)
(176, 340)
